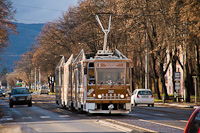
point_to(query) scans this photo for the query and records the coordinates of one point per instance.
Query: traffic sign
(177, 76)
(177, 85)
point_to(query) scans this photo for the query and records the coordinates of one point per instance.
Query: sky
(32, 12)
(41, 11)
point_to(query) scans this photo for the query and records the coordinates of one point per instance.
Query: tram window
(69, 77)
(79, 74)
(91, 82)
(56, 77)
(91, 75)
(91, 64)
(61, 76)
(128, 74)
(110, 76)
(85, 71)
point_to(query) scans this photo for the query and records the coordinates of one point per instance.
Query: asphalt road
(46, 116)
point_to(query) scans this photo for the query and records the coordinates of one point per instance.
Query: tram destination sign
(110, 64)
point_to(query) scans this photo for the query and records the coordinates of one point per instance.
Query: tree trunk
(156, 77)
(198, 71)
(187, 83)
(173, 71)
(162, 74)
(157, 87)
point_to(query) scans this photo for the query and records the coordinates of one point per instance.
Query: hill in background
(19, 44)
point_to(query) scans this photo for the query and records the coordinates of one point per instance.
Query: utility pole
(146, 64)
(35, 79)
(184, 62)
(146, 56)
(39, 78)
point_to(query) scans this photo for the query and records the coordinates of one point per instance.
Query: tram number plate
(110, 91)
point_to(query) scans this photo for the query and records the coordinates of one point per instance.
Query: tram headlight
(122, 96)
(99, 96)
(93, 95)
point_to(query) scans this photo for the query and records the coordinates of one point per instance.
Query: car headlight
(99, 96)
(4, 93)
(13, 98)
(29, 98)
(122, 96)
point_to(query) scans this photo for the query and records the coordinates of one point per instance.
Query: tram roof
(107, 55)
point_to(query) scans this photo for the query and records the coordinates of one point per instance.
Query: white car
(44, 90)
(142, 96)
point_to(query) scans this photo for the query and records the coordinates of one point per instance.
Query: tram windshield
(110, 76)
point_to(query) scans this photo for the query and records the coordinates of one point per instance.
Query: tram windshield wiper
(114, 82)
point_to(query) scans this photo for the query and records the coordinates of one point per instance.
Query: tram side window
(57, 77)
(74, 78)
(91, 74)
(128, 74)
(61, 76)
(79, 74)
(69, 77)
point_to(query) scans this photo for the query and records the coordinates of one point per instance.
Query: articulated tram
(95, 84)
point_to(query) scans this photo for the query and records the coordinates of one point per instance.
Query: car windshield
(110, 75)
(144, 92)
(20, 91)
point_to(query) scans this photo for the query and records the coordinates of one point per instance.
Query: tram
(95, 84)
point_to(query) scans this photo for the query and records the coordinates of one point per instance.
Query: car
(142, 96)
(20, 96)
(44, 90)
(193, 124)
(2, 93)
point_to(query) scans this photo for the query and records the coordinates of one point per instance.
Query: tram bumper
(122, 108)
(98, 111)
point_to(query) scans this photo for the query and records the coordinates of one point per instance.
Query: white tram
(95, 84)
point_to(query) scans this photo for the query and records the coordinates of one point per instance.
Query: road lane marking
(183, 121)
(7, 118)
(26, 118)
(62, 116)
(162, 124)
(44, 117)
(160, 114)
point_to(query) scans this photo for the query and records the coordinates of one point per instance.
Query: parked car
(20, 96)
(193, 124)
(142, 96)
(44, 90)
(2, 93)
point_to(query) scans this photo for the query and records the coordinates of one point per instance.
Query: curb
(178, 105)
(125, 127)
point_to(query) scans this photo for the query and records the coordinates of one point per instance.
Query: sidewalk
(179, 104)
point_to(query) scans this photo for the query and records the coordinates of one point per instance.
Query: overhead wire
(38, 7)
(26, 6)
